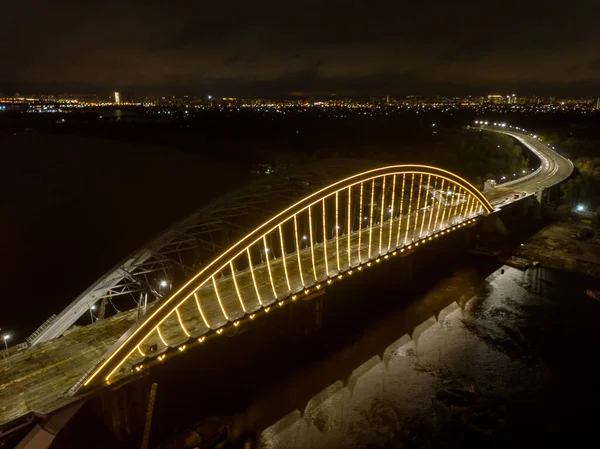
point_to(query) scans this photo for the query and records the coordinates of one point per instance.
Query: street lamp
(163, 283)
(5, 337)
(580, 208)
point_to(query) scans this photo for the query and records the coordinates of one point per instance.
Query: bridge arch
(324, 235)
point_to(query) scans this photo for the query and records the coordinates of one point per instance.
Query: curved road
(553, 169)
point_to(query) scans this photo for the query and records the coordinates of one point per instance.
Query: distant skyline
(270, 48)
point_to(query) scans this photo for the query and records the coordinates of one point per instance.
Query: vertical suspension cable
(391, 220)
(432, 205)
(417, 209)
(439, 205)
(382, 216)
(187, 334)
(349, 230)
(371, 216)
(312, 247)
(325, 238)
(412, 187)
(466, 209)
(253, 277)
(337, 232)
(446, 207)
(235, 284)
(287, 278)
(214, 282)
(298, 250)
(472, 207)
(459, 189)
(425, 207)
(400, 210)
(160, 335)
(462, 206)
(360, 221)
(200, 310)
(269, 266)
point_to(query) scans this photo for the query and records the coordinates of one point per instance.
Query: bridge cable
(360, 221)
(432, 206)
(298, 250)
(412, 182)
(312, 247)
(425, 207)
(325, 238)
(439, 204)
(391, 220)
(382, 216)
(269, 265)
(337, 231)
(287, 278)
(417, 210)
(235, 284)
(200, 310)
(349, 230)
(253, 277)
(214, 282)
(400, 211)
(371, 216)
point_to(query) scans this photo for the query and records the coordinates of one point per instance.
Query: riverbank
(564, 245)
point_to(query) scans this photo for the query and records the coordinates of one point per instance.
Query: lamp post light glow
(5, 337)
(580, 208)
(163, 283)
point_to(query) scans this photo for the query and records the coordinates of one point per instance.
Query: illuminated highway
(553, 169)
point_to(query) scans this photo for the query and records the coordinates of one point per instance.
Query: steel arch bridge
(321, 236)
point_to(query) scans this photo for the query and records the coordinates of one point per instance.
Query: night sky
(318, 47)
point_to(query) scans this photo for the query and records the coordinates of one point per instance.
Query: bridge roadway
(37, 379)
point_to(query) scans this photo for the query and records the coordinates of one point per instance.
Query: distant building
(597, 103)
(496, 99)
(117, 97)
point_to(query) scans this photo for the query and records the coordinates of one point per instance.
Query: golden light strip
(140, 351)
(360, 225)
(214, 282)
(325, 238)
(287, 278)
(471, 210)
(269, 266)
(425, 207)
(161, 336)
(312, 247)
(391, 220)
(298, 250)
(400, 211)
(444, 213)
(382, 215)
(235, 284)
(253, 277)
(439, 206)
(187, 334)
(412, 186)
(466, 210)
(484, 203)
(432, 206)
(349, 231)
(371, 216)
(456, 205)
(462, 207)
(337, 231)
(200, 310)
(414, 236)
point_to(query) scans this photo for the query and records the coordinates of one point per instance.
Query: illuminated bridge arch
(325, 235)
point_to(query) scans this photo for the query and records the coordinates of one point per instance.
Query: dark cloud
(271, 46)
